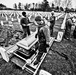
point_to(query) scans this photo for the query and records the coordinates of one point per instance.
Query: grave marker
(4, 54)
(43, 72)
(59, 36)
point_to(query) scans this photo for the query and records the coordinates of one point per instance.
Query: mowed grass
(53, 62)
(11, 69)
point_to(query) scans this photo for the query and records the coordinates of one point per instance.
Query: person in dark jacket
(68, 26)
(42, 39)
(24, 22)
(9, 35)
(74, 33)
(52, 23)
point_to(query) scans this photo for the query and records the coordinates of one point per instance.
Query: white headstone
(2, 23)
(4, 54)
(6, 18)
(42, 72)
(59, 36)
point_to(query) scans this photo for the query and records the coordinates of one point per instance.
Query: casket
(28, 42)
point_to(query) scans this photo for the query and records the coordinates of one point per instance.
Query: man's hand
(35, 23)
(29, 24)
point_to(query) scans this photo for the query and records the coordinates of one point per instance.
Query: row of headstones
(19, 15)
(15, 25)
(14, 19)
(61, 33)
(42, 72)
(31, 17)
(9, 14)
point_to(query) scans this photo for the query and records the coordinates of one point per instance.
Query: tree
(57, 8)
(57, 2)
(45, 5)
(72, 9)
(69, 3)
(15, 6)
(61, 8)
(26, 6)
(52, 5)
(33, 5)
(19, 6)
(36, 5)
(2, 6)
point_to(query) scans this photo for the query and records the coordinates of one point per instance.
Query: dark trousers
(42, 49)
(74, 33)
(51, 30)
(26, 31)
(67, 33)
(39, 56)
(9, 36)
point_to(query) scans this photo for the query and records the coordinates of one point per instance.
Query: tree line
(56, 5)
(43, 6)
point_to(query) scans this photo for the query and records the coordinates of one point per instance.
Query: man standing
(9, 35)
(52, 23)
(68, 26)
(42, 38)
(24, 21)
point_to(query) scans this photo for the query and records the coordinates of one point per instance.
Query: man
(74, 31)
(9, 35)
(52, 23)
(24, 21)
(68, 26)
(42, 39)
(46, 31)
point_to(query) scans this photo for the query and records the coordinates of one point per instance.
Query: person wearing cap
(24, 22)
(74, 31)
(68, 25)
(42, 38)
(52, 23)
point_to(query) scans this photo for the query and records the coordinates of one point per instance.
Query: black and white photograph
(37, 37)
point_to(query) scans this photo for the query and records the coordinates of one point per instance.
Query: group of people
(68, 28)
(25, 21)
(43, 34)
(45, 31)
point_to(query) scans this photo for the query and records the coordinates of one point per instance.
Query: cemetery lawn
(53, 63)
(56, 64)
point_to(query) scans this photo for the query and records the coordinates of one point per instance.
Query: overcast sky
(9, 3)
